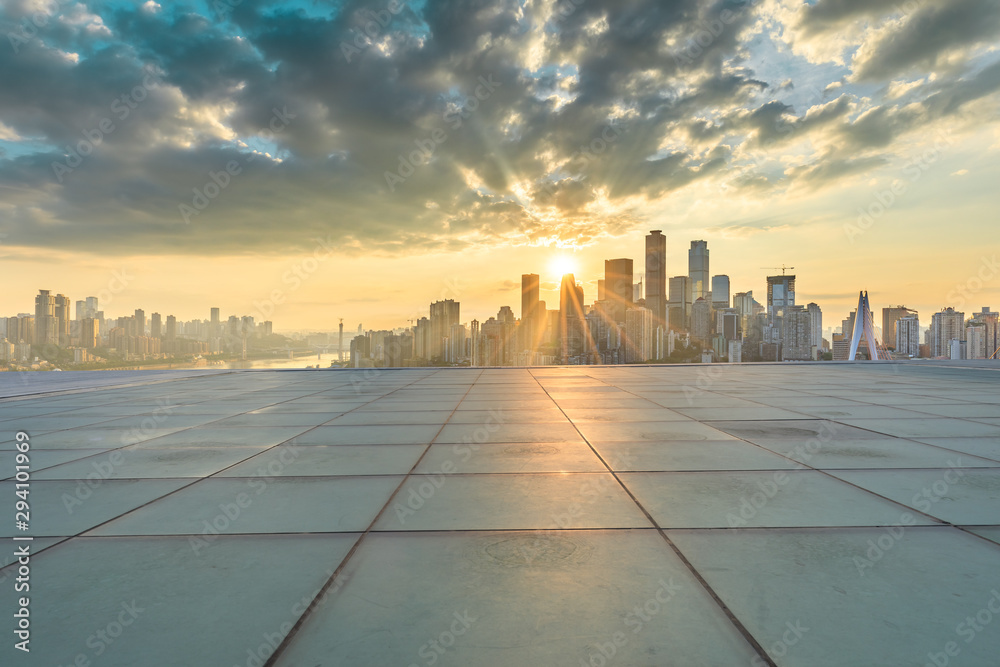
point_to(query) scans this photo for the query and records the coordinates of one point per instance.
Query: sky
(310, 161)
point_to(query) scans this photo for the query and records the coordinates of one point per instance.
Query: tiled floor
(837, 514)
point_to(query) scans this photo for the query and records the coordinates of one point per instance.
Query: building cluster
(949, 336)
(54, 326)
(629, 322)
(654, 318)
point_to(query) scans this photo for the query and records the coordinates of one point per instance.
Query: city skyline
(856, 141)
(482, 300)
(700, 312)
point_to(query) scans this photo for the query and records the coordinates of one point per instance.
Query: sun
(563, 264)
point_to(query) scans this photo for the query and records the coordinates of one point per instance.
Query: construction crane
(782, 267)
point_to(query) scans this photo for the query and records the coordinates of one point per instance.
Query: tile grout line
(321, 593)
(743, 630)
(196, 480)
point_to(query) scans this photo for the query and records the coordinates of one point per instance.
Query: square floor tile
(375, 433)
(493, 431)
(511, 502)
(868, 453)
(959, 496)
(757, 499)
(146, 463)
(151, 585)
(832, 597)
(511, 457)
(652, 431)
(293, 460)
(261, 505)
(66, 508)
(488, 599)
(679, 455)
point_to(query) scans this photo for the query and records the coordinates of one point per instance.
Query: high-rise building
(728, 323)
(815, 325)
(45, 319)
(698, 270)
(475, 344)
(215, 326)
(155, 326)
(889, 318)
(701, 319)
(638, 340)
(618, 287)
(571, 318)
(88, 333)
(975, 340)
(422, 347)
(530, 319)
(946, 326)
(720, 292)
(908, 335)
(170, 332)
(92, 307)
(743, 303)
(780, 295)
(796, 344)
(81, 310)
(679, 305)
(64, 316)
(991, 332)
(140, 322)
(455, 350)
(656, 275)
(444, 314)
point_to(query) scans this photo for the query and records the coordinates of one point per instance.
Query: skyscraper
(656, 276)
(618, 287)
(171, 328)
(889, 318)
(45, 318)
(88, 333)
(155, 326)
(946, 326)
(698, 270)
(529, 310)
(679, 306)
(720, 292)
(907, 335)
(780, 295)
(63, 317)
(701, 319)
(991, 320)
(639, 330)
(815, 325)
(443, 315)
(571, 321)
(797, 334)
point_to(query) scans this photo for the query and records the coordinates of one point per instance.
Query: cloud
(504, 123)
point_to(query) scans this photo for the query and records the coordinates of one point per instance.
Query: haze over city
(455, 148)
